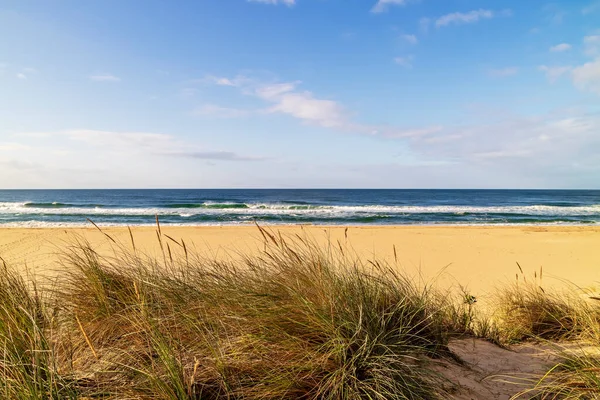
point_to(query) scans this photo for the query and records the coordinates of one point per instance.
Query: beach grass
(28, 361)
(297, 321)
(527, 311)
(566, 322)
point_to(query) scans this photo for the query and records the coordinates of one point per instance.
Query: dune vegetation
(298, 321)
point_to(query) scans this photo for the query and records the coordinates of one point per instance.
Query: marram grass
(28, 364)
(297, 321)
(565, 321)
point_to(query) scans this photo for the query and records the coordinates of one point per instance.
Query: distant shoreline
(288, 225)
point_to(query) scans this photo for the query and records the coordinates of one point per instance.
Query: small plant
(28, 362)
(469, 299)
(462, 315)
(526, 310)
(577, 376)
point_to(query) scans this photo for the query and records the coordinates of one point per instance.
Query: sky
(299, 94)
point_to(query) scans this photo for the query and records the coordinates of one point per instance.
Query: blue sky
(300, 93)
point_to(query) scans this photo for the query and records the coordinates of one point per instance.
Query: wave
(271, 221)
(261, 206)
(46, 205)
(59, 205)
(218, 206)
(324, 211)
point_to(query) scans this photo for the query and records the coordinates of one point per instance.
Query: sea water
(38, 208)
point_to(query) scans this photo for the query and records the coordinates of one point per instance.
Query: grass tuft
(576, 376)
(298, 321)
(28, 363)
(527, 311)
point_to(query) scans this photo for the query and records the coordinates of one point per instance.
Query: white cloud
(560, 47)
(276, 89)
(122, 141)
(220, 112)
(288, 3)
(284, 98)
(539, 144)
(11, 147)
(25, 72)
(414, 133)
(238, 81)
(383, 5)
(105, 78)
(513, 143)
(137, 143)
(303, 105)
(554, 73)
(561, 144)
(215, 156)
(503, 72)
(502, 154)
(225, 82)
(464, 18)
(78, 158)
(411, 39)
(587, 76)
(20, 165)
(592, 45)
(406, 62)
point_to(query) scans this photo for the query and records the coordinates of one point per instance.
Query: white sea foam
(48, 224)
(20, 209)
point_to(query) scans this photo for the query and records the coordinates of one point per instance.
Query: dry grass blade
(86, 337)
(158, 225)
(131, 237)
(173, 240)
(104, 233)
(520, 269)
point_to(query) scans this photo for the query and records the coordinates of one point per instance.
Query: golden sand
(478, 258)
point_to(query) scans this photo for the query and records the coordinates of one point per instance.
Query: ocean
(41, 208)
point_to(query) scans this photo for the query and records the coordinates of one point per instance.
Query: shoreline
(291, 225)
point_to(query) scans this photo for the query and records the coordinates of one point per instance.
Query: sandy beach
(479, 258)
